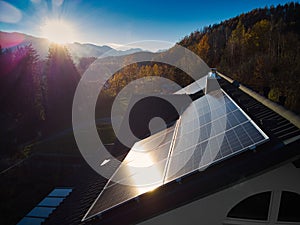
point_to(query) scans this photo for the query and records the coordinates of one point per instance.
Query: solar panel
(193, 87)
(223, 132)
(218, 130)
(147, 160)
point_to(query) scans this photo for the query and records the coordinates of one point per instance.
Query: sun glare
(140, 163)
(58, 31)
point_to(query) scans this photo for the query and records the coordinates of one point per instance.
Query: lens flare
(58, 31)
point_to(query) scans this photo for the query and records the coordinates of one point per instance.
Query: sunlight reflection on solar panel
(143, 169)
(219, 130)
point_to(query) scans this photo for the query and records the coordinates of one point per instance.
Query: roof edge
(287, 114)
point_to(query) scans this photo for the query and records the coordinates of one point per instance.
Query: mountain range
(77, 50)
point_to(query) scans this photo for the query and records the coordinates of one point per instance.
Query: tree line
(35, 94)
(260, 49)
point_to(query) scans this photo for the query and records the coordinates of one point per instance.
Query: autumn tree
(259, 49)
(203, 47)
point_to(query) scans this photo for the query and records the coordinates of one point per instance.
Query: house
(253, 178)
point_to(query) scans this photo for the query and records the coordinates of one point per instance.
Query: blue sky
(121, 22)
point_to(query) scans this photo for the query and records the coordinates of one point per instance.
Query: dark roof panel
(87, 184)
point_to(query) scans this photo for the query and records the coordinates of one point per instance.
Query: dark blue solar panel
(218, 130)
(224, 133)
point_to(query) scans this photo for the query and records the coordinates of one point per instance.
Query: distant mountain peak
(77, 50)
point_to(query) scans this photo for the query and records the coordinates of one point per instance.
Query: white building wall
(214, 208)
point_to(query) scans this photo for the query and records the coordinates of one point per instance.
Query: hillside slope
(260, 49)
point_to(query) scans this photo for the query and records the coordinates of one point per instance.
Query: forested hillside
(260, 49)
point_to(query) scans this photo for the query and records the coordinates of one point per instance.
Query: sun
(58, 31)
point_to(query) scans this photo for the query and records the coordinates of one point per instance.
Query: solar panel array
(212, 128)
(148, 156)
(222, 130)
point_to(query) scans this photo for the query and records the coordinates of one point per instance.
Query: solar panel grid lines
(237, 122)
(133, 171)
(193, 87)
(171, 148)
(151, 143)
(228, 148)
(253, 123)
(219, 129)
(141, 157)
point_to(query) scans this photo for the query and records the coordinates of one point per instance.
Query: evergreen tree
(62, 79)
(19, 86)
